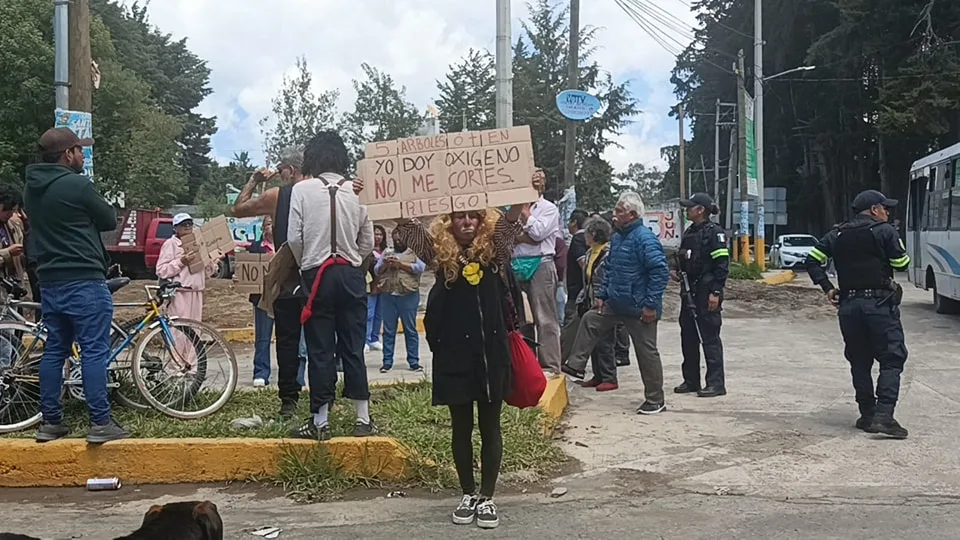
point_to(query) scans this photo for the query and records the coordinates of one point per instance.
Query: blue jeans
(403, 308)
(263, 332)
(76, 311)
(374, 320)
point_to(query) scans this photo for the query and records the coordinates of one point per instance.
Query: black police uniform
(704, 256)
(865, 252)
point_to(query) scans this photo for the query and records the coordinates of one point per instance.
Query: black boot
(889, 427)
(867, 413)
(712, 391)
(686, 388)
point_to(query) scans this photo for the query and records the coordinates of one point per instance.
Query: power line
(862, 79)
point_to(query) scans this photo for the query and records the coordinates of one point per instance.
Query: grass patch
(745, 271)
(403, 412)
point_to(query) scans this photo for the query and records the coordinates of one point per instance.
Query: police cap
(700, 199)
(870, 198)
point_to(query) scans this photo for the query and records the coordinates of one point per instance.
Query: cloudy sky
(251, 44)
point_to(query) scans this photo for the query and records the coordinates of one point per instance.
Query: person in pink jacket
(187, 303)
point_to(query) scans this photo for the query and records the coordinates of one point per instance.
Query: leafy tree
(467, 96)
(647, 182)
(380, 113)
(176, 79)
(298, 113)
(212, 197)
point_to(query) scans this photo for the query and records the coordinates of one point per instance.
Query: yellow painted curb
(25, 463)
(779, 279)
(246, 335)
(70, 462)
(553, 402)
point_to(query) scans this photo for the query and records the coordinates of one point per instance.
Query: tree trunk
(882, 165)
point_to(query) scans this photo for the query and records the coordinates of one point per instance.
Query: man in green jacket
(67, 215)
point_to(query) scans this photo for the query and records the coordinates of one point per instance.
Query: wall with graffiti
(245, 230)
(664, 221)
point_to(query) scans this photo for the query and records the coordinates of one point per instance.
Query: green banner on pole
(752, 188)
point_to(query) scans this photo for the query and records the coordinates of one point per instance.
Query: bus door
(916, 223)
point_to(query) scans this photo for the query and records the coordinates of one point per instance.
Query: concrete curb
(70, 462)
(246, 335)
(780, 278)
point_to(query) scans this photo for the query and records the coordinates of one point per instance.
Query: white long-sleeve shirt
(543, 227)
(308, 232)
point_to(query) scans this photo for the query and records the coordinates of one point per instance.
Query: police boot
(866, 418)
(889, 427)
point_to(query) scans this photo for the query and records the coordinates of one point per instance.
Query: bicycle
(185, 339)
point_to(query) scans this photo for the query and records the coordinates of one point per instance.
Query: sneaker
(416, 369)
(592, 383)
(51, 432)
(288, 409)
(366, 349)
(259, 383)
(466, 510)
(651, 408)
(311, 432)
(864, 423)
(487, 515)
(376, 346)
(888, 427)
(623, 363)
(361, 429)
(385, 369)
(106, 433)
(607, 387)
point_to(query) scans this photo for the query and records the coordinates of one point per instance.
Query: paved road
(777, 458)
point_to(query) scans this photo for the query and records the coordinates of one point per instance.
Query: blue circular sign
(577, 104)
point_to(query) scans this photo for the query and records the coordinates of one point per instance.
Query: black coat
(468, 364)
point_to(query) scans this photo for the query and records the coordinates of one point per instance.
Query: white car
(792, 249)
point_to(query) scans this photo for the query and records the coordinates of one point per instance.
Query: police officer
(704, 260)
(866, 250)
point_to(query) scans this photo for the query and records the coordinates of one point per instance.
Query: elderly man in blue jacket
(632, 294)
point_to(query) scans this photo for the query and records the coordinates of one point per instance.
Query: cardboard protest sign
(451, 172)
(249, 271)
(207, 244)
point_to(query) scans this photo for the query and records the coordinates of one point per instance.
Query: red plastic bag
(529, 382)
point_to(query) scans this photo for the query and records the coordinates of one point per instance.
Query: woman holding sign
(470, 311)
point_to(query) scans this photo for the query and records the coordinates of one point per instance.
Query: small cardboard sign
(452, 172)
(205, 245)
(249, 271)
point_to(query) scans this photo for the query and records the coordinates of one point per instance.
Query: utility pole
(702, 171)
(758, 128)
(742, 168)
(504, 82)
(716, 154)
(731, 176)
(573, 81)
(61, 68)
(81, 78)
(683, 159)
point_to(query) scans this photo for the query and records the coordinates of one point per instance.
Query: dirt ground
(225, 308)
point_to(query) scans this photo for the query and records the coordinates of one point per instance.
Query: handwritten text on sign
(454, 172)
(250, 269)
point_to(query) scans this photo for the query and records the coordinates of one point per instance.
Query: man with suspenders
(330, 235)
(275, 202)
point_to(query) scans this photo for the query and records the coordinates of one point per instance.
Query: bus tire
(944, 305)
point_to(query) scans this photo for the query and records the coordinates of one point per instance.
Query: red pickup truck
(135, 244)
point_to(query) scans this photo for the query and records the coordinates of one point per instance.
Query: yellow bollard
(745, 249)
(760, 247)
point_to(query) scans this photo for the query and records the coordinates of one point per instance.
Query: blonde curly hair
(449, 250)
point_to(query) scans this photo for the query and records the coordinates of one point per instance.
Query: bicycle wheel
(121, 369)
(19, 376)
(188, 371)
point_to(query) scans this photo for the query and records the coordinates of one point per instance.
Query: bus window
(955, 209)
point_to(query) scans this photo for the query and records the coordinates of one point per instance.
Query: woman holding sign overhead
(470, 311)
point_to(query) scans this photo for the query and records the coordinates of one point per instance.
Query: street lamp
(789, 71)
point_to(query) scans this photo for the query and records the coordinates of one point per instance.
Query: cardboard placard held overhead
(207, 244)
(249, 272)
(452, 172)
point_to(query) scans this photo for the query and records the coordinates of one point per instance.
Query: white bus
(933, 227)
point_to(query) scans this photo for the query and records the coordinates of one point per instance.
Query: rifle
(686, 297)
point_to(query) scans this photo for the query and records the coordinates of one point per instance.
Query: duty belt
(865, 293)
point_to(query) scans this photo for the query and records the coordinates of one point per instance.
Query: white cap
(180, 218)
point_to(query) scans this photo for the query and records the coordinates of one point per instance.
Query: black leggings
(491, 446)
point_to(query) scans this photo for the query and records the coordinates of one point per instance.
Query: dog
(193, 520)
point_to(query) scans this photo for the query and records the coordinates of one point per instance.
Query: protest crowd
(510, 293)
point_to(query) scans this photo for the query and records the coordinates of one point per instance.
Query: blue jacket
(637, 272)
